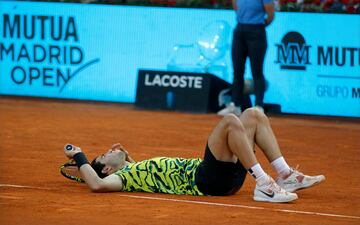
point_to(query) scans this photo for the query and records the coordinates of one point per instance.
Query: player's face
(113, 158)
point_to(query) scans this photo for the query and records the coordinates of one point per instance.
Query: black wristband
(80, 159)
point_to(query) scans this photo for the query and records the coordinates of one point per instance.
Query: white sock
(259, 174)
(280, 166)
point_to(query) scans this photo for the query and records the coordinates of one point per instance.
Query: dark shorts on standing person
(218, 178)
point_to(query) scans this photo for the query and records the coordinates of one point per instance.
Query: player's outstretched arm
(94, 182)
(97, 184)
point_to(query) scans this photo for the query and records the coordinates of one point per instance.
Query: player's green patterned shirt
(162, 174)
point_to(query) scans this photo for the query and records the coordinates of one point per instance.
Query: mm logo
(293, 53)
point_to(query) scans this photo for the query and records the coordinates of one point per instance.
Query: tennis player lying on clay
(229, 156)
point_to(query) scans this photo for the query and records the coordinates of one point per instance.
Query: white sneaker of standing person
(260, 108)
(272, 192)
(230, 109)
(296, 180)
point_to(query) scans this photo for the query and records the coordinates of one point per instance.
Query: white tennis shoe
(272, 192)
(297, 180)
(230, 109)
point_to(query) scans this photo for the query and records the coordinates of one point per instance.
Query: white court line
(243, 206)
(208, 203)
(22, 186)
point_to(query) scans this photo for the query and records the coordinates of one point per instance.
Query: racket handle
(69, 147)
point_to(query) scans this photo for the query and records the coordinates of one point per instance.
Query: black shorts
(214, 177)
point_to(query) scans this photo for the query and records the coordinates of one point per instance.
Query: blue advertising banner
(94, 52)
(313, 63)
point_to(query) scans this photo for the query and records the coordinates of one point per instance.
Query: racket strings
(70, 171)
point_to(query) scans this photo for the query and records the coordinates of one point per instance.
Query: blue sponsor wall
(93, 52)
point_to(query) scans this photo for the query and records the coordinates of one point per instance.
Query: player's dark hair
(98, 167)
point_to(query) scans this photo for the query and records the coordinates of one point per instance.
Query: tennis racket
(71, 171)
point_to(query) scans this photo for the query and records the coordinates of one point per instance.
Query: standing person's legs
(239, 53)
(257, 45)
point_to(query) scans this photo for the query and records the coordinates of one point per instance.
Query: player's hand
(70, 152)
(118, 146)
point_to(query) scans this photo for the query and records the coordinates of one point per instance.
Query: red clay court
(32, 191)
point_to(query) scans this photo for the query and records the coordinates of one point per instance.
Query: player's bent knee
(251, 113)
(233, 123)
(230, 119)
(256, 114)
(261, 117)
